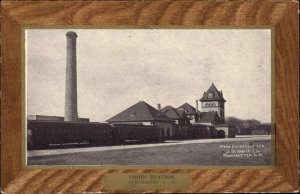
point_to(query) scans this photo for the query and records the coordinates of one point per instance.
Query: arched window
(210, 95)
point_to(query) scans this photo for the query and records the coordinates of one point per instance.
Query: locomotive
(44, 133)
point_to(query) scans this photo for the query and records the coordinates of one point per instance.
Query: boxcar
(200, 131)
(44, 133)
(142, 133)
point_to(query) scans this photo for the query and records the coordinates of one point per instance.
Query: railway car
(44, 133)
(182, 132)
(201, 131)
(142, 133)
(213, 132)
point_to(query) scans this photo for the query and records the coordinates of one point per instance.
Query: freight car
(202, 131)
(41, 134)
(196, 132)
(44, 133)
(142, 133)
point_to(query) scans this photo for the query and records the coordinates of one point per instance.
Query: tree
(243, 126)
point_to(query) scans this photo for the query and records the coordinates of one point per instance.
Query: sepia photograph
(149, 97)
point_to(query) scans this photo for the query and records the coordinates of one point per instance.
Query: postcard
(194, 97)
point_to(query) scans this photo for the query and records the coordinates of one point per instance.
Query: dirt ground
(239, 153)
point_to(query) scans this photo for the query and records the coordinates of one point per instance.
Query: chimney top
(71, 34)
(159, 107)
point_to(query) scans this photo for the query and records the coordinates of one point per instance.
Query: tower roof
(140, 111)
(212, 94)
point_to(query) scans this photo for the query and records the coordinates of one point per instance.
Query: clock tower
(212, 100)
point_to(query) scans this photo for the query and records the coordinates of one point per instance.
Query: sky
(117, 68)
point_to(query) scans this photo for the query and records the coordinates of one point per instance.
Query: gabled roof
(182, 112)
(207, 117)
(140, 111)
(190, 110)
(171, 112)
(216, 94)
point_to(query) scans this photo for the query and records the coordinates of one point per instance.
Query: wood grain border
(282, 15)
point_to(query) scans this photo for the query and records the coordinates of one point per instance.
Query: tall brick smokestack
(71, 113)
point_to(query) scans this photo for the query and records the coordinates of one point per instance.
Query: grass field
(240, 153)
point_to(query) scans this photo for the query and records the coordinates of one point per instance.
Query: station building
(142, 113)
(178, 121)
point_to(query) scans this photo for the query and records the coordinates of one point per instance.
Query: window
(210, 95)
